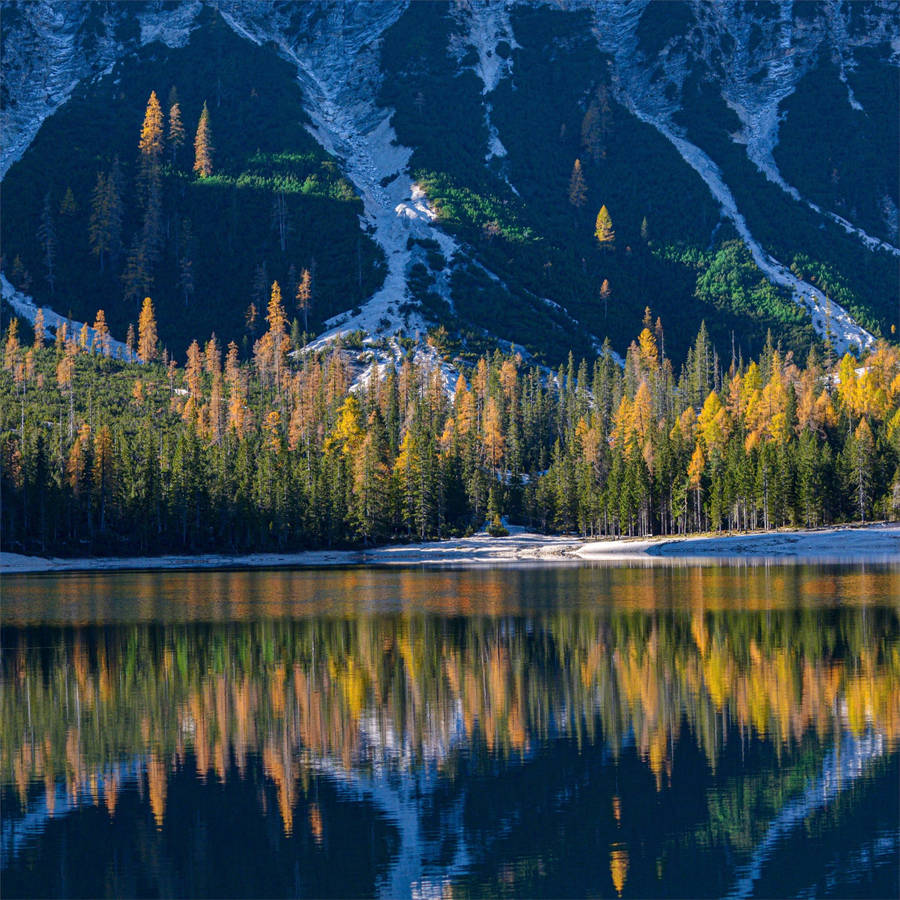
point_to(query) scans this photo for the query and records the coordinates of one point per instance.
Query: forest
(132, 452)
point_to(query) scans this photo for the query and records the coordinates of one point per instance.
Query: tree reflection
(421, 690)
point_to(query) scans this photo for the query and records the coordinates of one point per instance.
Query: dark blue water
(577, 731)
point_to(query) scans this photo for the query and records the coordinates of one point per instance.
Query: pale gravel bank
(865, 543)
(873, 543)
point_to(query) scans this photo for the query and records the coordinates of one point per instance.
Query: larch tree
(11, 350)
(148, 245)
(577, 186)
(603, 229)
(203, 148)
(101, 333)
(494, 444)
(695, 473)
(151, 143)
(304, 296)
(38, 326)
(147, 336)
(277, 322)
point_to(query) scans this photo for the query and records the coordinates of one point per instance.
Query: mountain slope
(470, 117)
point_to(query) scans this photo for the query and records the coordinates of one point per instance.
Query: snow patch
(615, 32)
(488, 24)
(337, 66)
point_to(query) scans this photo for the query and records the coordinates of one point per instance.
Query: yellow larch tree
(101, 334)
(147, 336)
(494, 444)
(277, 322)
(150, 147)
(11, 351)
(38, 325)
(151, 142)
(603, 229)
(203, 148)
(713, 423)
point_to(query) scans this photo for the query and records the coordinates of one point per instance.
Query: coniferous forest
(291, 449)
(273, 445)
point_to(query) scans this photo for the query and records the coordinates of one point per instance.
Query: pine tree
(603, 229)
(19, 275)
(280, 219)
(595, 126)
(260, 290)
(98, 226)
(115, 184)
(185, 261)
(147, 337)
(102, 475)
(152, 233)
(175, 136)
(136, 277)
(203, 148)
(577, 186)
(105, 223)
(68, 206)
(860, 450)
(47, 236)
(605, 294)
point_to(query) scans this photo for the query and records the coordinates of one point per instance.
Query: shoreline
(872, 543)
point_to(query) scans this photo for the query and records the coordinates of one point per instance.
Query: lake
(579, 730)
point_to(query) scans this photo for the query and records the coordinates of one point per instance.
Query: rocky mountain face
(736, 89)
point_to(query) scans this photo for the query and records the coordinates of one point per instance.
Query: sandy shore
(874, 543)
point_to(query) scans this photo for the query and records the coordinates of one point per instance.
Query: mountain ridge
(656, 60)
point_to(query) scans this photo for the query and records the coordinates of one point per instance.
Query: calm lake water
(678, 731)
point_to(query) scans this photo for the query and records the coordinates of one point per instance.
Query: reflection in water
(635, 710)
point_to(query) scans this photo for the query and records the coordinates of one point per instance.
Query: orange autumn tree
(147, 337)
(203, 147)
